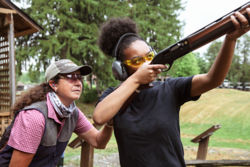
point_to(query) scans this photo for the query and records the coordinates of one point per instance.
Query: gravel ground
(112, 160)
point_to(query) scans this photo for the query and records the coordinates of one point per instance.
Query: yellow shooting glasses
(139, 60)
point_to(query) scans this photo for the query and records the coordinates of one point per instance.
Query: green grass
(227, 107)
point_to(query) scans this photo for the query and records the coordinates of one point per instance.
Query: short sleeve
(83, 124)
(182, 89)
(105, 93)
(27, 131)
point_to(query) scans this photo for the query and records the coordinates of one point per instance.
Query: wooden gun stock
(199, 38)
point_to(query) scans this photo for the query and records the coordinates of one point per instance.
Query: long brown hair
(32, 95)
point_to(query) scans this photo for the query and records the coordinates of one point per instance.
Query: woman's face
(137, 48)
(69, 88)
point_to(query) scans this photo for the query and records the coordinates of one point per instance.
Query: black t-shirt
(147, 131)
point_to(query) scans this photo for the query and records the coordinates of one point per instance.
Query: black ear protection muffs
(118, 68)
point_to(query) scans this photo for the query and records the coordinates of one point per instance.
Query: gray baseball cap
(65, 66)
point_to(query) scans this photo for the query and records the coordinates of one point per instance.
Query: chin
(75, 97)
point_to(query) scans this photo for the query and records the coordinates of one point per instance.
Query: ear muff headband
(118, 69)
(119, 41)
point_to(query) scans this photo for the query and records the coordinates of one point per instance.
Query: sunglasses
(72, 77)
(138, 61)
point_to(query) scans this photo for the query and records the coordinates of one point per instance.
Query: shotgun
(199, 38)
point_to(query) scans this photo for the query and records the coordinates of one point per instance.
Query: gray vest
(51, 130)
(51, 148)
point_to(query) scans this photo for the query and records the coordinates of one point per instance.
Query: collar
(51, 111)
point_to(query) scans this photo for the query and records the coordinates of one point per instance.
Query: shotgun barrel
(199, 38)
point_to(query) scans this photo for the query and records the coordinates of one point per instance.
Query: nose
(78, 82)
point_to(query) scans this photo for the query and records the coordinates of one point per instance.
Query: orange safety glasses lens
(138, 61)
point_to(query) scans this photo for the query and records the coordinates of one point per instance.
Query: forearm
(21, 158)
(218, 71)
(104, 136)
(222, 63)
(110, 105)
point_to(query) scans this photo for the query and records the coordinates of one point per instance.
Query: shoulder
(31, 117)
(106, 93)
(27, 131)
(178, 81)
(109, 90)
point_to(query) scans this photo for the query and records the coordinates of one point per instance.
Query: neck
(65, 101)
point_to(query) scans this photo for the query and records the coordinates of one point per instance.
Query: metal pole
(12, 61)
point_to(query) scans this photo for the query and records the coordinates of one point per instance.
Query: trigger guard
(169, 67)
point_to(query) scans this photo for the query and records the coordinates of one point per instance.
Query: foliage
(89, 94)
(185, 66)
(240, 69)
(202, 63)
(212, 52)
(70, 30)
(158, 21)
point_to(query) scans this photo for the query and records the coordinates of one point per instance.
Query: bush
(89, 95)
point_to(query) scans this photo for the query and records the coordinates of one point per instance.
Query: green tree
(212, 52)
(70, 30)
(240, 68)
(158, 21)
(202, 62)
(185, 66)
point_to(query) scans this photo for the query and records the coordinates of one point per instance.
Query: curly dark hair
(112, 30)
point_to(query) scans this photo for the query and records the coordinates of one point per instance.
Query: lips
(77, 91)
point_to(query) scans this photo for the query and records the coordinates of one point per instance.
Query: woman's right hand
(147, 73)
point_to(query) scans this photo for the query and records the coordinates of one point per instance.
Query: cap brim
(84, 70)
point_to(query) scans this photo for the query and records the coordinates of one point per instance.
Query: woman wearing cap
(46, 116)
(146, 126)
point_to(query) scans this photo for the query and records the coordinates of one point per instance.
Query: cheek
(64, 87)
(131, 70)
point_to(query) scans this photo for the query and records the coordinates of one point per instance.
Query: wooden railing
(203, 140)
(87, 152)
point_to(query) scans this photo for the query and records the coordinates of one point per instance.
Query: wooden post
(87, 152)
(87, 155)
(203, 140)
(202, 149)
(12, 60)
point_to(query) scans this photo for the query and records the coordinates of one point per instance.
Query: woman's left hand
(241, 25)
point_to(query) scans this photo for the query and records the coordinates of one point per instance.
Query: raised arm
(110, 105)
(204, 82)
